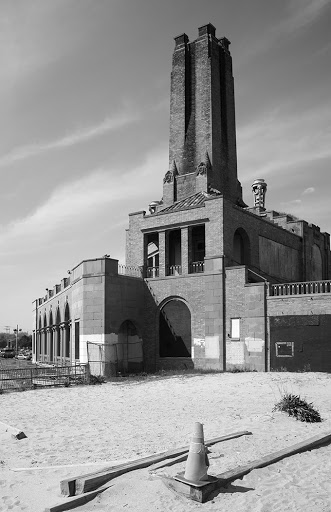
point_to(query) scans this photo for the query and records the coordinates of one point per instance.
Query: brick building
(208, 282)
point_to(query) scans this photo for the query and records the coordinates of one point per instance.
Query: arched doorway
(241, 248)
(129, 348)
(175, 329)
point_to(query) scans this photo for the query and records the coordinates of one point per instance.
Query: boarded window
(285, 349)
(235, 328)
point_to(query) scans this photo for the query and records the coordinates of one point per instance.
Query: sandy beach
(72, 431)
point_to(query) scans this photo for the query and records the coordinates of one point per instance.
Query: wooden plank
(15, 432)
(200, 493)
(42, 468)
(308, 444)
(190, 491)
(181, 458)
(90, 481)
(75, 501)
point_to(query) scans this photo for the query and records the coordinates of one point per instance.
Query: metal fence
(12, 379)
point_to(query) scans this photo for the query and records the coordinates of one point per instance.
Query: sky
(84, 122)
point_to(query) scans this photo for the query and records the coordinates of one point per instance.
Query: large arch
(241, 247)
(175, 337)
(129, 348)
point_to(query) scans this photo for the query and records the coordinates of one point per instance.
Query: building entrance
(175, 329)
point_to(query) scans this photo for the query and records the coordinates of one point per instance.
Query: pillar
(162, 254)
(184, 250)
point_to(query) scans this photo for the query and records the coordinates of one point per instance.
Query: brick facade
(201, 282)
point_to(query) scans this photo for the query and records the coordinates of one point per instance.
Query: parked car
(7, 352)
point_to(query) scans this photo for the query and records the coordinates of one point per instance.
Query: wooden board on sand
(201, 493)
(75, 501)
(15, 432)
(85, 483)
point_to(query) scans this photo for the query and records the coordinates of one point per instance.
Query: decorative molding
(204, 166)
(170, 175)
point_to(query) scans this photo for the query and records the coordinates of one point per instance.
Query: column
(184, 250)
(162, 254)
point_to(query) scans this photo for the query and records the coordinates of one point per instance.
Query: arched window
(57, 333)
(67, 331)
(241, 248)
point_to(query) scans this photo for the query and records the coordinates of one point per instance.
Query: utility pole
(16, 331)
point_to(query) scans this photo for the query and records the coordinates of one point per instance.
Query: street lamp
(16, 331)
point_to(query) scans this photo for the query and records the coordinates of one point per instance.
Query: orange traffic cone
(197, 461)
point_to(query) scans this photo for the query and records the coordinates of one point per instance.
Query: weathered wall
(202, 295)
(245, 302)
(277, 259)
(304, 323)
(259, 228)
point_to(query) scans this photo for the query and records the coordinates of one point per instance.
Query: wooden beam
(15, 432)
(200, 492)
(42, 468)
(180, 458)
(306, 445)
(193, 492)
(76, 501)
(85, 483)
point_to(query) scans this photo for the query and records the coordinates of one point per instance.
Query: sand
(95, 425)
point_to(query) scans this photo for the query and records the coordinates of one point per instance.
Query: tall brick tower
(202, 148)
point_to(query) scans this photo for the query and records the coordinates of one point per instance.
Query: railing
(197, 267)
(12, 379)
(174, 270)
(127, 270)
(278, 290)
(152, 272)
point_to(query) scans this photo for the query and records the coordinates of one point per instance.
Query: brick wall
(245, 302)
(202, 112)
(256, 227)
(305, 321)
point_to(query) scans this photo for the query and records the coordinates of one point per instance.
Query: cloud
(294, 202)
(71, 139)
(83, 202)
(298, 15)
(284, 141)
(309, 190)
(301, 14)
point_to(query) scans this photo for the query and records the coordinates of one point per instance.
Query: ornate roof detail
(204, 166)
(193, 201)
(213, 191)
(170, 175)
